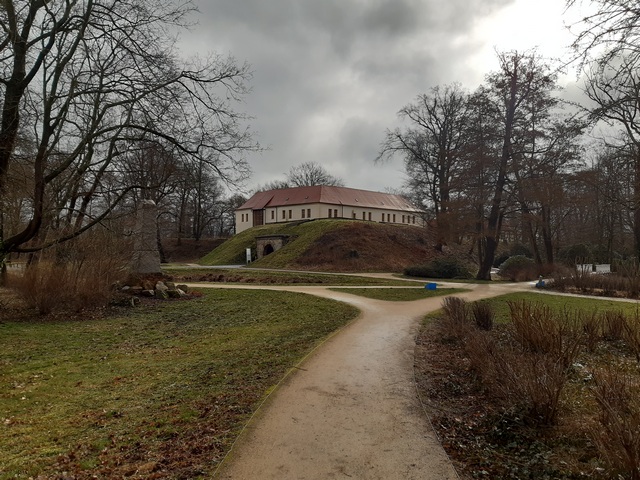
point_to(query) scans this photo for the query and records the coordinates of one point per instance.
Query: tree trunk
(494, 222)
(636, 204)
(546, 235)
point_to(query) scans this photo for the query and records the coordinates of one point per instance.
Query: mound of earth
(362, 247)
(188, 249)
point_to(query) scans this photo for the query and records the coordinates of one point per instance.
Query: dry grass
(74, 276)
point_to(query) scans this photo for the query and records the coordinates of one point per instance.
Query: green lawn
(399, 294)
(165, 388)
(558, 303)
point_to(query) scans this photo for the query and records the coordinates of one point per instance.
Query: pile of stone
(161, 290)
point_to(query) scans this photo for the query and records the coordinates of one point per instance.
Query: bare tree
(434, 147)
(614, 90)
(306, 174)
(521, 76)
(309, 174)
(608, 31)
(82, 82)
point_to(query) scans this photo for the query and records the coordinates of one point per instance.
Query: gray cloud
(330, 75)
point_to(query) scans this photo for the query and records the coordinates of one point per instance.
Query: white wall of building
(292, 213)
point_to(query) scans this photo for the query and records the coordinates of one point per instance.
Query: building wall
(292, 213)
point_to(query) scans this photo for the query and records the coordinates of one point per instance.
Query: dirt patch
(363, 247)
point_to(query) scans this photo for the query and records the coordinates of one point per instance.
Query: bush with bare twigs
(483, 315)
(539, 330)
(618, 439)
(530, 383)
(528, 368)
(592, 328)
(624, 280)
(455, 322)
(74, 276)
(631, 334)
(613, 325)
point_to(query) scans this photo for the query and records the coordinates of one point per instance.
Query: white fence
(594, 268)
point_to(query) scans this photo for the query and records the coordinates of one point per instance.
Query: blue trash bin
(430, 286)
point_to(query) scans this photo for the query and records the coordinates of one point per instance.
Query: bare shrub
(530, 383)
(77, 275)
(582, 279)
(455, 322)
(486, 358)
(631, 334)
(614, 325)
(483, 315)
(539, 330)
(534, 327)
(592, 328)
(529, 370)
(630, 271)
(456, 309)
(618, 440)
(624, 280)
(537, 380)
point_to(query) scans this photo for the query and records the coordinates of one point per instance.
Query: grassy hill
(333, 245)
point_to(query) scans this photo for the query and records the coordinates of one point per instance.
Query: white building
(310, 203)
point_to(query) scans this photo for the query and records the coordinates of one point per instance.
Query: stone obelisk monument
(146, 257)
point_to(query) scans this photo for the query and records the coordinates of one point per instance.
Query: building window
(369, 216)
(308, 213)
(329, 213)
(303, 213)
(383, 217)
(394, 218)
(284, 214)
(402, 218)
(335, 212)
(414, 220)
(290, 215)
(353, 215)
(273, 214)
(364, 215)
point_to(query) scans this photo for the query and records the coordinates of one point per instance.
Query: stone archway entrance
(268, 244)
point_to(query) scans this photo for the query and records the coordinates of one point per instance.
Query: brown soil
(365, 247)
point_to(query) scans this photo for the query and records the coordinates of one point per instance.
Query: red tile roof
(327, 195)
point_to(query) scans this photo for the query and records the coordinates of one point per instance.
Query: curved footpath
(351, 409)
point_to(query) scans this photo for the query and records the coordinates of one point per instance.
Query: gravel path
(350, 410)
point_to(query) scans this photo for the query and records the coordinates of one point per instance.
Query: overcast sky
(329, 76)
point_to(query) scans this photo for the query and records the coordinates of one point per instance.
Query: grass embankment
(333, 245)
(487, 391)
(232, 252)
(159, 392)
